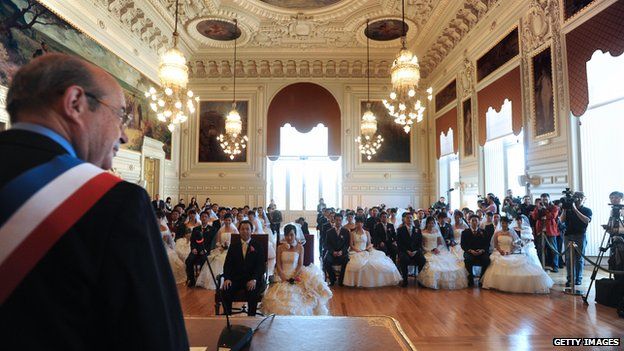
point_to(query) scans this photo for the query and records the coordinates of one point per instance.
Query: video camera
(615, 225)
(567, 200)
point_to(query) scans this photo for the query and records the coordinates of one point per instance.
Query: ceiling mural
(301, 4)
(218, 30)
(386, 29)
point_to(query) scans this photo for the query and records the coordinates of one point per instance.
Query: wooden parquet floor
(468, 319)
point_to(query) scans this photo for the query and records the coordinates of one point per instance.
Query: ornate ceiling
(295, 37)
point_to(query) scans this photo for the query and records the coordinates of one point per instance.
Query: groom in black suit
(476, 243)
(384, 237)
(336, 250)
(410, 245)
(244, 269)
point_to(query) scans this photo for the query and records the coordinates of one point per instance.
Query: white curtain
(447, 146)
(602, 141)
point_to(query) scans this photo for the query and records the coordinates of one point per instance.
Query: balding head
(74, 98)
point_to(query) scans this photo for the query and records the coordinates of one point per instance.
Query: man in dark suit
(304, 225)
(336, 250)
(476, 245)
(158, 204)
(372, 220)
(445, 229)
(384, 237)
(107, 280)
(325, 224)
(410, 246)
(244, 269)
(176, 225)
(201, 238)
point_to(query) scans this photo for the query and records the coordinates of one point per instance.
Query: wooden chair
(308, 250)
(240, 295)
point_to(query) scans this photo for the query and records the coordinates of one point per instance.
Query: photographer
(440, 204)
(577, 218)
(545, 216)
(616, 259)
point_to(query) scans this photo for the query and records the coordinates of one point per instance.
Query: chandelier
(175, 102)
(404, 104)
(368, 141)
(233, 142)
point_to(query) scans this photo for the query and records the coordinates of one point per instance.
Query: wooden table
(306, 333)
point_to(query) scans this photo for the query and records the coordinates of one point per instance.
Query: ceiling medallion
(218, 30)
(385, 30)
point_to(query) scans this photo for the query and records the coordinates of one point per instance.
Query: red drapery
(443, 124)
(303, 105)
(605, 32)
(494, 95)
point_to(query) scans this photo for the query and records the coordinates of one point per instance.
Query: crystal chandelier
(368, 141)
(174, 103)
(233, 142)
(404, 104)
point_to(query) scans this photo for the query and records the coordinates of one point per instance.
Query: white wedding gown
(308, 296)
(177, 264)
(457, 250)
(265, 229)
(183, 248)
(216, 260)
(526, 234)
(516, 273)
(369, 269)
(444, 270)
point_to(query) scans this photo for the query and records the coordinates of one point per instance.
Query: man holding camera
(545, 216)
(576, 218)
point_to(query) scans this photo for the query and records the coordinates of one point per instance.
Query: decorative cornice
(214, 69)
(465, 19)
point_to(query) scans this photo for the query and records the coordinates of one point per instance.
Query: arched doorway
(303, 151)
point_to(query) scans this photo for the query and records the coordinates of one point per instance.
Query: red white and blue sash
(38, 207)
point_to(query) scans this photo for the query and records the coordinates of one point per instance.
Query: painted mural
(28, 30)
(396, 147)
(500, 54)
(386, 29)
(218, 30)
(212, 124)
(446, 95)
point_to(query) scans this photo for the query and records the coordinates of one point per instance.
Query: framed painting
(396, 147)
(572, 7)
(467, 137)
(212, 124)
(446, 95)
(28, 30)
(501, 53)
(542, 95)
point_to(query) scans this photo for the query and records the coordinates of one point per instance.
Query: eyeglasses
(124, 116)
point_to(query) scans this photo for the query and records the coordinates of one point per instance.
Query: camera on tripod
(615, 225)
(567, 200)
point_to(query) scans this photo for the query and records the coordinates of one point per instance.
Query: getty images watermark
(586, 342)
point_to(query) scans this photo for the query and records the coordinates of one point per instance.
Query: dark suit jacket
(470, 241)
(305, 229)
(253, 266)
(337, 241)
(106, 276)
(370, 223)
(157, 204)
(378, 235)
(406, 243)
(447, 233)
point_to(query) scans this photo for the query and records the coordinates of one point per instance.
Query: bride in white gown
(262, 226)
(177, 265)
(522, 227)
(443, 270)
(368, 267)
(297, 290)
(218, 254)
(459, 225)
(513, 272)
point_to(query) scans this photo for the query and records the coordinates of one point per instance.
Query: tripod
(614, 222)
